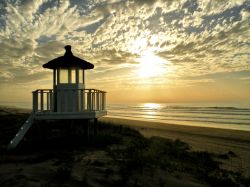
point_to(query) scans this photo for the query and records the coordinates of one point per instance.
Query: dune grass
(139, 153)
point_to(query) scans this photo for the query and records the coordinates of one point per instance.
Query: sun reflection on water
(151, 105)
(151, 109)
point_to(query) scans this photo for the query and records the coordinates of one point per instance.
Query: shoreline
(173, 127)
(187, 123)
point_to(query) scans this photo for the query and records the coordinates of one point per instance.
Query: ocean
(225, 116)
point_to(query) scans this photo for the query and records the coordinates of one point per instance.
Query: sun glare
(150, 65)
(152, 105)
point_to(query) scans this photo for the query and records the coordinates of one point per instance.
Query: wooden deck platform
(69, 115)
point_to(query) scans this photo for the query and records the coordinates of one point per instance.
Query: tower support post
(95, 126)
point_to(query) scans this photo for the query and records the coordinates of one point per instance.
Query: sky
(143, 50)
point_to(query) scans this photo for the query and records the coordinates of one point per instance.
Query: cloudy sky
(143, 50)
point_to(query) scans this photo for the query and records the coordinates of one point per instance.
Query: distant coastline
(20, 105)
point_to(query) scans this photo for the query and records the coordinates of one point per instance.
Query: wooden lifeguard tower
(68, 99)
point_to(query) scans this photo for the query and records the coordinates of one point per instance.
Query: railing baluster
(48, 101)
(89, 100)
(97, 100)
(102, 100)
(51, 100)
(93, 100)
(41, 101)
(82, 100)
(35, 101)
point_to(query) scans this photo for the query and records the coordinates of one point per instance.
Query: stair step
(21, 133)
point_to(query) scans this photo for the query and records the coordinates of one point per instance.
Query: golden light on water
(151, 105)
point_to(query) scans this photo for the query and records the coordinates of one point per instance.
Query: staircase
(23, 130)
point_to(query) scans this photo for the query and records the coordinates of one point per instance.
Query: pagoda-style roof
(68, 60)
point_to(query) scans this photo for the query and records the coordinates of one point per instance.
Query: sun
(150, 65)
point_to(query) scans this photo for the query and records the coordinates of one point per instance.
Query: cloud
(29, 7)
(196, 36)
(113, 57)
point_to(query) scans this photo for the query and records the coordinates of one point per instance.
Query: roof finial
(68, 50)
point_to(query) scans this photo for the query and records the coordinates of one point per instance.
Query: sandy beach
(200, 138)
(60, 157)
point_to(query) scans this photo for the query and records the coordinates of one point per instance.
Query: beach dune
(222, 141)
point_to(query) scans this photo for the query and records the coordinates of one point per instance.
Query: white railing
(43, 100)
(84, 100)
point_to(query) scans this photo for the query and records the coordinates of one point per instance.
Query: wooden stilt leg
(88, 130)
(95, 126)
(71, 127)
